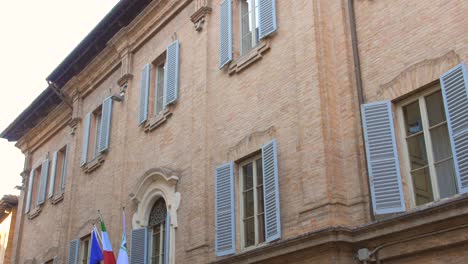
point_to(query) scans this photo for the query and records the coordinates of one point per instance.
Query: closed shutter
(53, 173)
(167, 239)
(73, 251)
(64, 169)
(224, 211)
(41, 194)
(266, 17)
(139, 246)
(55, 260)
(454, 85)
(30, 189)
(382, 158)
(225, 33)
(144, 92)
(271, 191)
(171, 78)
(85, 140)
(105, 125)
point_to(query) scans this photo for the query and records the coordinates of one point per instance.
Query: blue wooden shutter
(53, 173)
(139, 246)
(30, 188)
(85, 141)
(266, 17)
(73, 251)
(454, 85)
(104, 135)
(224, 210)
(144, 92)
(225, 33)
(55, 261)
(271, 191)
(64, 169)
(41, 194)
(171, 74)
(382, 158)
(167, 238)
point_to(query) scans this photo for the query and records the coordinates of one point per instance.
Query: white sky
(36, 37)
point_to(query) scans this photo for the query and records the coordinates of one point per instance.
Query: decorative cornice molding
(203, 8)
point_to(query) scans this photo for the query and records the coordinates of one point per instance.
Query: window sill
(157, 120)
(34, 213)
(94, 163)
(248, 59)
(57, 198)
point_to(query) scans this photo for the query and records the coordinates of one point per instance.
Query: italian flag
(109, 257)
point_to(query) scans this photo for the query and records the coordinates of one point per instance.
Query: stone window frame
(403, 151)
(153, 185)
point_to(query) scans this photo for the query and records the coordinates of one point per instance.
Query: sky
(36, 37)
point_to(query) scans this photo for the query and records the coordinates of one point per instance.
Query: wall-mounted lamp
(118, 97)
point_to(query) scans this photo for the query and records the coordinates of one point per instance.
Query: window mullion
(161, 241)
(254, 23)
(254, 173)
(429, 153)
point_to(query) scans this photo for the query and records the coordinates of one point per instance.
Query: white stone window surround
(155, 184)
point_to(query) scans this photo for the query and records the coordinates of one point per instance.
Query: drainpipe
(359, 89)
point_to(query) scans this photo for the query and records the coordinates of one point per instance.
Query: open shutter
(454, 85)
(41, 194)
(167, 239)
(139, 246)
(271, 191)
(224, 211)
(73, 251)
(85, 140)
(171, 78)
(144, 92)
(105, 125)
(53, 173)
(266, 17)
(382, 158)
(30, 188)
(64, 169)
(225, 33)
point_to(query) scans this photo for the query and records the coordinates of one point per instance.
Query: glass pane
(159, 88)
(422, 186)
(248, 203)
(412, 115)
(261, 228)
(435, 108)
(259, 172)
(247, 172)
(417, 151)
(260, 203)
(249, 228)
(446, 178)
(441, 147)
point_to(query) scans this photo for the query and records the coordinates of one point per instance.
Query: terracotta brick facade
(301, 92)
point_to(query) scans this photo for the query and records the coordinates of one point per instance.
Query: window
(427, 142)
(95, 132)
(249, 25)
(157, 224)
(85, 246)
(58, 175)
(253, 218)
(156, 91)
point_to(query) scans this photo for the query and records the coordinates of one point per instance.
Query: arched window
(157, 224)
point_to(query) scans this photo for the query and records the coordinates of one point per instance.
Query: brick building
(8, 211)
(233, 132)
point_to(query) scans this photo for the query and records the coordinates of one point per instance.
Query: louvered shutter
(144, 92)
(41, 194)
(53, 174)
(139, 246)
(167, 239)
(73, 251)
(382, 158)
(271, 191)
(30, 188)
(224, 211)
(266, 17)
(454, 85)
(171, 74)
(105, 125)
(85, 140)
(63, 181)
(55, 260)
(225, 33)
